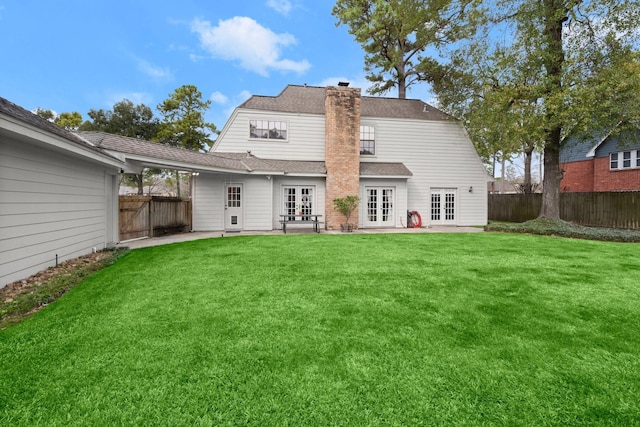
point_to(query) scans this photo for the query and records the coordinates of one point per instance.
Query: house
(604, 164)
(298, 151)
(396, 154)
(58, 195)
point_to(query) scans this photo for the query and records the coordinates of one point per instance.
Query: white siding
(440, 155)
(305, 136)
(50, 204)
(208, 203)
(208, 209)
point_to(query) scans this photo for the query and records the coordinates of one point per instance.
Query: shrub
(551, 227)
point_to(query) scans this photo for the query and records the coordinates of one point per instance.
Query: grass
(407, 329)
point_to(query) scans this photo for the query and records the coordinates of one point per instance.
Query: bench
(301, 219)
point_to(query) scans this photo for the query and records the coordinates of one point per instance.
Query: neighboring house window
(267, 129)
(625, 160)
(298, 201)
(367, 140)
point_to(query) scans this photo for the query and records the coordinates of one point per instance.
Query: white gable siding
(305, 136)
(440, 155)
(50, 204)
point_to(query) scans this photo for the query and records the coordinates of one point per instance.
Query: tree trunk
(555, 16)
(552, 176)
(178, 183)
(140, 182)
(528, 154)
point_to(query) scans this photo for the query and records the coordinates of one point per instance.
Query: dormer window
(367, 140)
(267, 129)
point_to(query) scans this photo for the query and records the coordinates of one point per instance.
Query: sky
(78, 55)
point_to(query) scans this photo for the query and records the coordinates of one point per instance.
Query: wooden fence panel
(144, 216)
(598, 209)
(134, 217)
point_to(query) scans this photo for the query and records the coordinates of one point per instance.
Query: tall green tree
(557, 68)
(183, 124)
(396, 36)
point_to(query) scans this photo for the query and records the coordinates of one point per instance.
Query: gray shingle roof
(384, 169)
(241, 162)
(9, 108)
(310, 100)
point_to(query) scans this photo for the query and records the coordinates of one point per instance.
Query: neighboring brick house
(606, 164)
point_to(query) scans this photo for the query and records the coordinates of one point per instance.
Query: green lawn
(406, 329)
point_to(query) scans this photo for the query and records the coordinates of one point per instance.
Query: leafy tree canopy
(183, 124)
(126, 119)
(396, 34)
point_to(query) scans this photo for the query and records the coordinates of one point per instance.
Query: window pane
(614, 161)
(367, 140)
(372, 204)
(626, 159)
(435, 207)
(638, 158)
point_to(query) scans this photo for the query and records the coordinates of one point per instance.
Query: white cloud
(255, 47)
(219, 98)
(153, 71)
(283, 7)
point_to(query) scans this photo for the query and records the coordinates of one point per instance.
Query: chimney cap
(343, 84)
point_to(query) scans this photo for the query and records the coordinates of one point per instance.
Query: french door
(298, 200)
(380, 211)
(443, 206)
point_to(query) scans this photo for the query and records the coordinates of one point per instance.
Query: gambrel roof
(310, 100)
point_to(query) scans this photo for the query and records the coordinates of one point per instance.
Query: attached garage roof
(230, 162)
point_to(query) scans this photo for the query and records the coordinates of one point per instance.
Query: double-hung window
(268, 129)
(367, 140)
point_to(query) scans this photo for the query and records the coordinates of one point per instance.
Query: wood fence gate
(145, 216)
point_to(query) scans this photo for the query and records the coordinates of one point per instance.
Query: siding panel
(50, 204)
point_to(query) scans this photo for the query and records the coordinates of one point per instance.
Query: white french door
(443, 206)
(298, 200)
(379, 207)
(233, 207)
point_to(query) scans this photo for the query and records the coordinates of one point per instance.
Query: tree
(570, 70)
(126, 119)
(69, 121)
(183, 123)
(45, 114)
(395, 35)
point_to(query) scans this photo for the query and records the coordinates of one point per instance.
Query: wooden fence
(615, 210)
(145, 216)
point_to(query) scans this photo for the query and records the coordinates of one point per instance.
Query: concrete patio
(183, 237)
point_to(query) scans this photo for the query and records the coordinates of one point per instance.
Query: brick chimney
(342, 150)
